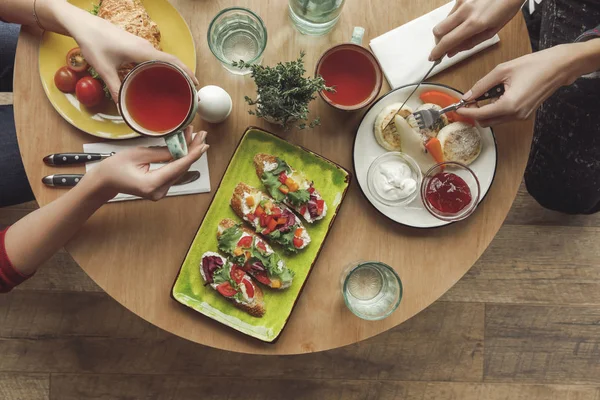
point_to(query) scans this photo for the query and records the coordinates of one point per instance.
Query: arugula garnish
(298, 197)
(272, 184)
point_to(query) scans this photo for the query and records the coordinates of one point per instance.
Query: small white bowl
(416, 175)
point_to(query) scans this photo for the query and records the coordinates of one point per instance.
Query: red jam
(448, 193)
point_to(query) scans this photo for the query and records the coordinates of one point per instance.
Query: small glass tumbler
(315, 17)
(372, 290)
(237, 34)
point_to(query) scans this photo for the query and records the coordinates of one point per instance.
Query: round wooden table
(133, 250)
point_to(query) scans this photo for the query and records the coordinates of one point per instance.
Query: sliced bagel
(460, 142)
(389, 138)
(433, 131)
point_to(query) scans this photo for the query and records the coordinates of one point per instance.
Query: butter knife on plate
(435, 64)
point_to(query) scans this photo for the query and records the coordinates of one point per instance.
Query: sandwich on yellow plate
(131, 16)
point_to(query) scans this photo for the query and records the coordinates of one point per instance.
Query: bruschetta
(289, 186)
(256, 257)
(233, 283)
(274, 221)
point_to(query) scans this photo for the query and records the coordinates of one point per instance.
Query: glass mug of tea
(158, 99)
(353, 71)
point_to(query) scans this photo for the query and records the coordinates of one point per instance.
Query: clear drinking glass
(315, 17)
(237, 34)
(372, 290)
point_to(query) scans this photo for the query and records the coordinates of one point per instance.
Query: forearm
(587, 58)
(35, 238)
(54, 15)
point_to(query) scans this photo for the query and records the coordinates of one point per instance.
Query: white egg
(214, 104)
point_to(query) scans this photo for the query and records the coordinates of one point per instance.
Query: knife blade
(74, 158)
(435, 64)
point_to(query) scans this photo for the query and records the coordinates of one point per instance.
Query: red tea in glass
(159, 99)
(354, 73)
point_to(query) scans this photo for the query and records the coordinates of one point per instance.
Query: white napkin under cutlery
(403, 52)
(201, 185)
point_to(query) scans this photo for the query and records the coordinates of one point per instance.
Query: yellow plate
(106, 122)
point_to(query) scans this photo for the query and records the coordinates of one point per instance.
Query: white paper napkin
(201, 185)
(403, 52)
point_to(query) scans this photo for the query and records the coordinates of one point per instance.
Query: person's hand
(471, 22)
(528, 81)
(129, 171)
(106, 47)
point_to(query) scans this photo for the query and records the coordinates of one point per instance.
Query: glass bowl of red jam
(450, 191)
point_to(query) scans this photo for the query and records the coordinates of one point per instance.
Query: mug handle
(357, 35)
(177, 145)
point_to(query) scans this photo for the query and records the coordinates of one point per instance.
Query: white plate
(366, 149)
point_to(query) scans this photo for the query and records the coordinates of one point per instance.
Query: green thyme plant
(283, 93)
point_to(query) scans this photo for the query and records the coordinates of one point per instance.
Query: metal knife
(435, 64)
(75, 158)
(70, 180)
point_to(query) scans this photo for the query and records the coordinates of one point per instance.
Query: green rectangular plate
(330, 179)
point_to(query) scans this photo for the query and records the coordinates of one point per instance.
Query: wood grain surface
(519, 338)
(133, 250)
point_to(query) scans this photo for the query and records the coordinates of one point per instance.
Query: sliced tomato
(282, 177)
(75, 60)
(226, 290)
(320, 206)
(249, 288)
(276, 212)
(251, 217)
(262, 278)
(444, 100)
(237, 273)
(261, 245)
(89, 91)
(245, 242)
(303, 210)
(298, 242)
(311, 189)
(259, 211)
(65, 80)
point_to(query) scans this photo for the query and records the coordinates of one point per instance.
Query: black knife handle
(73, 158)
(62, 180)
(494, 92)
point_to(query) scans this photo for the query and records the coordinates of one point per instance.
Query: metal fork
(427, 118)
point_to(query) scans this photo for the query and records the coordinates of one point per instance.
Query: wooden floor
(524, 323)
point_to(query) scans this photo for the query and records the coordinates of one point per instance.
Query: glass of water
(315, 17)
(237, 34)
(372, 290)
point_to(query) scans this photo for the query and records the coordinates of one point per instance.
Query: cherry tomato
(89, 91)
(65, 80)
(298, 242)
(226, 290)
(249, 288)
(75, 60)
(245, 242)
(261, 246)
(237, 274)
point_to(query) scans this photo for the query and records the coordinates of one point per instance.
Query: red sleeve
(9, 276)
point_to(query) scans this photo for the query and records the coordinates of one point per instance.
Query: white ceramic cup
(174, 138)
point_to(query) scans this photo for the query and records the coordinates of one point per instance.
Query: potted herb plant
(283, 93)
